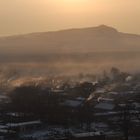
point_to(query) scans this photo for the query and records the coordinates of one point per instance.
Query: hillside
(101, 38)
(72, 50)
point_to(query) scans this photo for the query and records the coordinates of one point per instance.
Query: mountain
(101, 38)
(75, 50)
(67, 43)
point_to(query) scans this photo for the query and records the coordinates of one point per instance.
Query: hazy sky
(24, 16)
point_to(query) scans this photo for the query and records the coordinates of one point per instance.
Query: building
(88, 136)
(24, 126)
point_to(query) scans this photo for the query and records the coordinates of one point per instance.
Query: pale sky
(26, 16)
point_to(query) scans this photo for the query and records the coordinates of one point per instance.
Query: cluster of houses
(35, 130)
(102, 115)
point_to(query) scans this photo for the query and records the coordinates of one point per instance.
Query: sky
(26, 16)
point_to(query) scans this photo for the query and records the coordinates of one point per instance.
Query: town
(94, 108)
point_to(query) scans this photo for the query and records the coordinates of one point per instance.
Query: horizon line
(66, 29)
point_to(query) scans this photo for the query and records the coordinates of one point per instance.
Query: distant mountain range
(72, 44)
(75, 50)
(101, 38)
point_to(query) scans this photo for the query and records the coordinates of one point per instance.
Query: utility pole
(126, 120)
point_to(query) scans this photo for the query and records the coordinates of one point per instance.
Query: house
(105, 106)
(5, 133)
(136, 105)
(73, 103)
(4, 99)
(24, 126)
(88, 136)
(101, 99)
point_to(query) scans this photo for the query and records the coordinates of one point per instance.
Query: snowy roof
(137, 105)
(6, 131)
(57, 90)
(105, 99)
(105, 106)
(122, 105)
(23, 123)
(80, 98)
(3, 130)
(100, 90)
(107, 113)
(87, 134)
(36, 134)
(72, 103)
(3, 126)
(3, 97)
(113, 93)
(100, 125)
(46, 133)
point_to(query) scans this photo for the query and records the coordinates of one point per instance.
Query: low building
(105, 106)
(88, 136)
(24, 126)
(73, 103)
